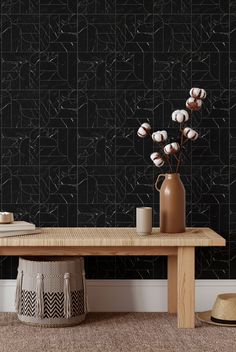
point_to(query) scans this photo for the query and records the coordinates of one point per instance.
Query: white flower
(172, 148)
(180, 116)
(159, 136)
(198, 93)
(157, 159)
(194, 104)
(144, 130)
(190, 133)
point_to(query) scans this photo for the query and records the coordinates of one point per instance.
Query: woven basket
(51, 291)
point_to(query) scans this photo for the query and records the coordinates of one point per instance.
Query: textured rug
(111, 332)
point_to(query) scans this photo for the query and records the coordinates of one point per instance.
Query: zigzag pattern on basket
(53, 303)
(28, 300)
(77, 298)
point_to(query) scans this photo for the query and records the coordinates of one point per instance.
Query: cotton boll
(159, 136)
(158, 162)
(142, 133)
(198, 93)
(194, 104)
(172, 148)
(157, 159)
(144, 130)
(190, 133)
(180, 116)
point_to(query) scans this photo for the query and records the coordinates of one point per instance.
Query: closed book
(17, 226)
(19, 233)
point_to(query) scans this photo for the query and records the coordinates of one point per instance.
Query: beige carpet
(111, 332)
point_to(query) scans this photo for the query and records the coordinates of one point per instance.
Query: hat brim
(206, 318)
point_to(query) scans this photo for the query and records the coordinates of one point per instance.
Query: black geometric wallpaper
(77, 80)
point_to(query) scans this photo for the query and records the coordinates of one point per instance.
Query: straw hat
(223, 312)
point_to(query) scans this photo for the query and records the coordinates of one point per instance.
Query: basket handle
(157, 181)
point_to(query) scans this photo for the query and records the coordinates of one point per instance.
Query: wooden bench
(180, 249)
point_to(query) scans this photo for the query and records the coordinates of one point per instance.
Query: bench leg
(186, 287)
(172, 284)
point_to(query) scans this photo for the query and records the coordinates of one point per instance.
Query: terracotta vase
(172, 203)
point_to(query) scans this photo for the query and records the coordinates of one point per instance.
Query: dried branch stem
(182, 142)
(167, 157)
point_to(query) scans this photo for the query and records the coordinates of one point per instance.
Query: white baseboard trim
(130, 295)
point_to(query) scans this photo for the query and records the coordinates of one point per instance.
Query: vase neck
(172, 176)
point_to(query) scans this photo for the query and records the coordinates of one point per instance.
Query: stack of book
(17, 228)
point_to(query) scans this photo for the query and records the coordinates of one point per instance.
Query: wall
(75, 84)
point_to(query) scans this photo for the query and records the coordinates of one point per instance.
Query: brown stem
(182, 141)
(167, 157)
(176, 157)
(181, 147)
(170, 163)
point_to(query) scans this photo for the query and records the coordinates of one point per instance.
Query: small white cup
(144, 220)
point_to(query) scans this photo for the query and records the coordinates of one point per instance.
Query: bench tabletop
(113, 237)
